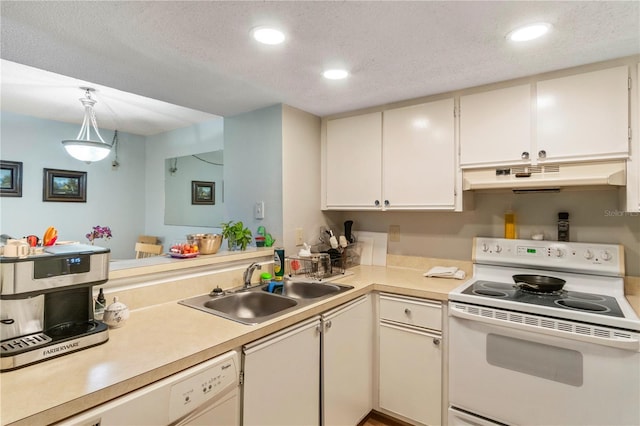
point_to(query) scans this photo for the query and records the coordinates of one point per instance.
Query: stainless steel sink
(308, 290)
(254, 306)
(247, 307)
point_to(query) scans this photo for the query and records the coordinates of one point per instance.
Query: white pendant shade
(88, 151)
(83, 148)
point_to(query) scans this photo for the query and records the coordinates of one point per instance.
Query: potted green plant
(236, 234)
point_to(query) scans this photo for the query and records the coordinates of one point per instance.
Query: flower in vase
(98, 232)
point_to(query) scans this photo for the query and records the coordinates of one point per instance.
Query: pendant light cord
(114, 146)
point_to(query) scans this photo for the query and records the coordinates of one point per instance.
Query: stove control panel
(602, 259)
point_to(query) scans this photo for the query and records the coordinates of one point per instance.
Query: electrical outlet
(258, 210)
(299, 236)
(394, 233)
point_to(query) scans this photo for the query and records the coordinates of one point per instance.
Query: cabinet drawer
(420, 313)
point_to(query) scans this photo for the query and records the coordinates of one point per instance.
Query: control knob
(588, 255)
(485, 247)
(498, 248)
(559, 252)
(606, 256)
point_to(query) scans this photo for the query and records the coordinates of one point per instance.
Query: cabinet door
(353, 162)
(584, 116)
(418, 151)
(347, 367)
(410, 373)
(282, 378)
(495, 127)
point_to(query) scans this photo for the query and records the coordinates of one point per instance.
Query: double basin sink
(256, 305)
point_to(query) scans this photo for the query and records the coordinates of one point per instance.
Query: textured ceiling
(32, 91)
(200, 55)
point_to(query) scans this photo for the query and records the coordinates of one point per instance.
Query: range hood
(546, 177)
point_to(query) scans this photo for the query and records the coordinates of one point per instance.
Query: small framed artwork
(64, 185)
(10, 179)
(203, 192)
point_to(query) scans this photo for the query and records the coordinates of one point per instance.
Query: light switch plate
(258, 210)
(299, 236)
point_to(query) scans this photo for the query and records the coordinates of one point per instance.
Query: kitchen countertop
(163, 339)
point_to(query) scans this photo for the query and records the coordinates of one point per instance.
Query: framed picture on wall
(64, 185)
(10, 179)
(203, 192)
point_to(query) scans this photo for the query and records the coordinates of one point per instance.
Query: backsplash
(594, 217)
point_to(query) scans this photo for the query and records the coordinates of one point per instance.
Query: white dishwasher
(207, 394)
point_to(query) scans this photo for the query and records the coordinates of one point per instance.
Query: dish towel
(446, 272)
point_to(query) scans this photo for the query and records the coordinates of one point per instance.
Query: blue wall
(130, 199)
(253, 168)
(115, 198)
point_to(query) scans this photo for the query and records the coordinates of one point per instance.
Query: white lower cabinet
(281, 377)
(282, 372)
(347, 363)
(410, 359)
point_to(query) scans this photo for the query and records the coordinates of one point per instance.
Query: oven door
(518, 369)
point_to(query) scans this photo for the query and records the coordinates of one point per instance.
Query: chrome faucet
(249, 272)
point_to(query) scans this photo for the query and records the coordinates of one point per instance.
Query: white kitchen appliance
(519, 355)
(206, 394)
(547, 177)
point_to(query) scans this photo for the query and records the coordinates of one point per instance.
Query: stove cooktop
(593, 292)
(570, 300)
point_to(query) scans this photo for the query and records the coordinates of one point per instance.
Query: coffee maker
(46, 303)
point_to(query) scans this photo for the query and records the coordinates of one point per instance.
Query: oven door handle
(629, 344)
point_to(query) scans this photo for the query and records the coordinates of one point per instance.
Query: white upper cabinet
(399, 159)
(584, 116)
(575, 118)
(410, 158)
(634, 163)
(418, 151)
(632, 201)
(353, 162)
(495, 127)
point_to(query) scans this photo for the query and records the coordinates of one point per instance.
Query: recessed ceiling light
(529, 32)
(268, 35)
(335, 74)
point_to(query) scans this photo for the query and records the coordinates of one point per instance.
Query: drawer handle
(436, 341)
(407, 311)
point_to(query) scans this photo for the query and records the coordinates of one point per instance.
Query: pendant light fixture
(82, 147)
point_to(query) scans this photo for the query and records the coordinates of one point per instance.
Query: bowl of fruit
(183, 250)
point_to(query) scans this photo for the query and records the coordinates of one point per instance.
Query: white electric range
(549, 355)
